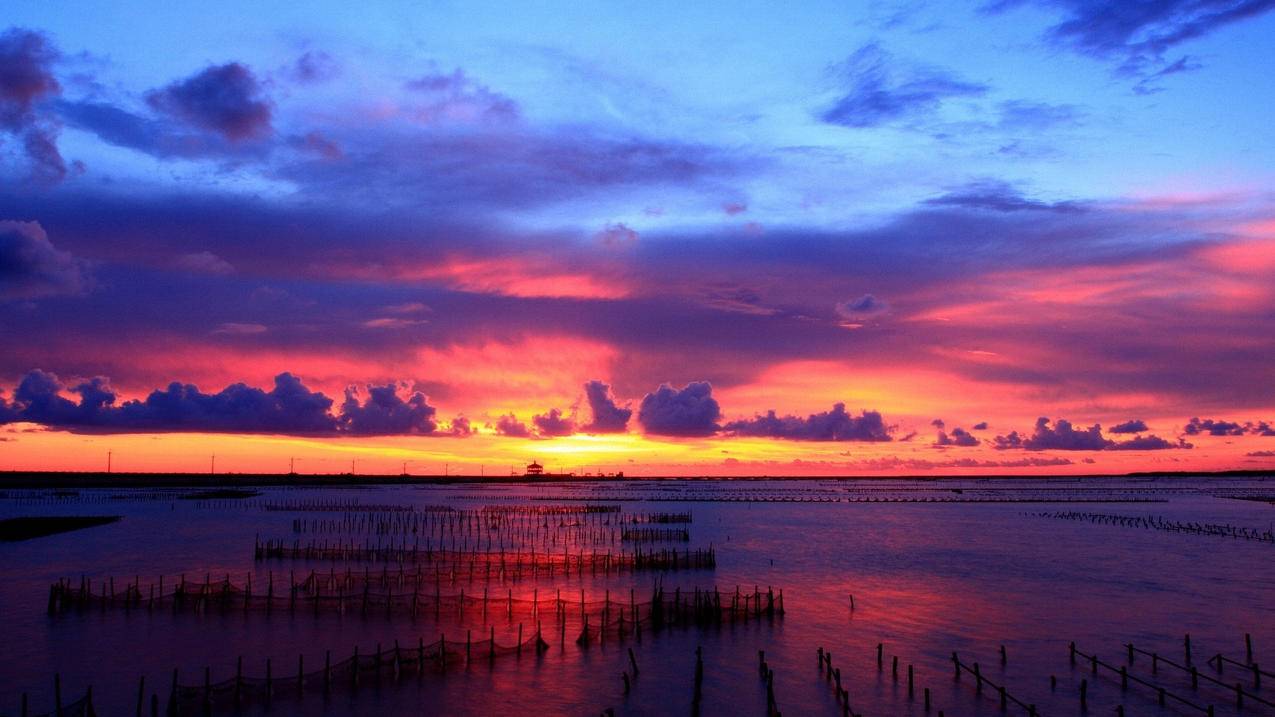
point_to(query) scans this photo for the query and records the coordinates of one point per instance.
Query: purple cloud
(958, 437)
(457, 97)
(1211, 427)
(1148, 443)
(26, 82)
(608, 417)
(509, 425)
(881, 90)
(31, 267)
(687, 412)
(862, 308)
(288, 408)
(225, 99)
(1140, 34)
(1131, 426)
(553, 424)
(385, 413)
(834, 425)
(1063, 436)
(981, 426)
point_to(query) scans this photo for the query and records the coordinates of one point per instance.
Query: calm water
(927, 578)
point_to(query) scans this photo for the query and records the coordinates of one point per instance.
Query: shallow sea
(934, 567)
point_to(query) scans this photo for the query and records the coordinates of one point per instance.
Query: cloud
(880, 90)
(1131, 426)
(288, 408)
(616, 235)
(313, 66)
(608, 417)
(1260, 454)
(687, 412)
(455, 97)
(553, 424)
(1060, 437)
(1148, 443)
(981, 426)
(236, 328)
(385, 413)
(509, 425)
(31, 267)
(26, 83)
(460, 427)
(958, 437)
(224, 99)
(1211, 427)
(1138, 35)
(938, 423)
(834, 425)
(1063, 436)
(863, 308)
(994, 196)
(165, 136)
(734, 208)
(204, 262)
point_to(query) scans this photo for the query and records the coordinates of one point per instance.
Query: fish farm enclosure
(1063, 596)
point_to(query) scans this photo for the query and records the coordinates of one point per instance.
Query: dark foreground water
(928, 576)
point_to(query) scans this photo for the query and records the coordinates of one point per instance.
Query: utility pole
(404, 467)
(212, 465)
(352, 466)
(292, 466)
(108, 461)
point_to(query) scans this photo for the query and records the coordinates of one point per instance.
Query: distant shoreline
(70, 479)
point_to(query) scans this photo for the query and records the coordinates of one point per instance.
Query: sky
(1011, 236)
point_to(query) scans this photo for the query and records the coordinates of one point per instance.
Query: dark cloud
(688, 412)
(997, 197)
(26, 83)
(1260, 454)
(938, 423)
(313, 66)
(880, 90)
(982, 426)
(1063, 436)
(834, 425)
(1148, 443)
(224, 99)
(1139, 34)
(31, 267)
(288, 408)
(1149, 85)
(553, 424)
(862, 308)
(608, 417)
(460, 427)
(509, 425)
(162, 137)
(1211, 427)
(384, 413)
(958, 437)
(455, 97)
(618, 234)
(1132, 426)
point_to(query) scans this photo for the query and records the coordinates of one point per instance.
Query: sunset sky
(1014, 236)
